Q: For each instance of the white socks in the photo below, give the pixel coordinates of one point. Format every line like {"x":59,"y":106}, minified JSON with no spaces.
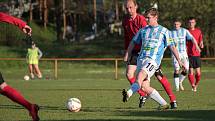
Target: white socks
{"x":181,"y":78}
{"x":156,"y":96}
{"x":176,"y":83}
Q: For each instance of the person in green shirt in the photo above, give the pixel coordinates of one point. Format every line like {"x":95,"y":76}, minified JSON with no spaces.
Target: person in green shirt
{"x":33,"y":56}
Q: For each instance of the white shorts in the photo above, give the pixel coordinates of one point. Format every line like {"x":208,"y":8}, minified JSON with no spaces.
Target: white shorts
{"x":184,"y":59}
{"x":148,"y":65}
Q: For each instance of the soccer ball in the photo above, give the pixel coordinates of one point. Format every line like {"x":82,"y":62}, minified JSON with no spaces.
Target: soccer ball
{"x":26,"y":77}
{"x":73,"y":105}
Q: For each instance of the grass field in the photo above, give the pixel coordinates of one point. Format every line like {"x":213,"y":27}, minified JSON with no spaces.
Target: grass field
{"x":100,"y":95}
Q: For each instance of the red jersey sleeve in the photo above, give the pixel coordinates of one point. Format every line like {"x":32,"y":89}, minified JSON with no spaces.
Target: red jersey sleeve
{"x":131,"y":27}
{"x":12,"y":20}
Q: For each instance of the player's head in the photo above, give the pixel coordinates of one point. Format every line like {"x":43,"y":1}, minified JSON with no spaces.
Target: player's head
{"x":131,"y":7}
{"x":33,"y":45}
{"x":152,"y":16}
{"x":192,"y":22}
{"x":177,"y":23}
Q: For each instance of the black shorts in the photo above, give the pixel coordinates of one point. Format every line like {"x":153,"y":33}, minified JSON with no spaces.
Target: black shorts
{"x":195,"y":62}
{"x":1,"y":79}
{"x":133,"y":59}
{"x":159,"y":72}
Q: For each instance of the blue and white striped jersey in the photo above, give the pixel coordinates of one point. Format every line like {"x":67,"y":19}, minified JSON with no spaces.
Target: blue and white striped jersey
{"x":154,"y":42}
{"x":179,"y":37}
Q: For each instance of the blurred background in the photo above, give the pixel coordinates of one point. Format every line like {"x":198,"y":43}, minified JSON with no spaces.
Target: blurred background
{"x":92,"y":28}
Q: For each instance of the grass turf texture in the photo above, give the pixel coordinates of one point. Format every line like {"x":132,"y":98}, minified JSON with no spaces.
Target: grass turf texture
{"x":101,"y":98}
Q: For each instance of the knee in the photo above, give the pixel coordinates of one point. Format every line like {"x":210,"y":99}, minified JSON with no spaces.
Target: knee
{"x":184,"y":72}
{"x":129,"y":75}
{"x":176,"y":75}
{"x":158,"y":73}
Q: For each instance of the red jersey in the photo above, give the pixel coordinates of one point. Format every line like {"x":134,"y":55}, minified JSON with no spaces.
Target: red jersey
{"x":131,"y":27}
{"x":12,"y":20}
{"x":191,"y":48}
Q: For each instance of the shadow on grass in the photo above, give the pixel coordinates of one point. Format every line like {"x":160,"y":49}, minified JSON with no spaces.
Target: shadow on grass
{"x":41,"y":107}
{"x":137,"y":115}
{"x":182,"y":115}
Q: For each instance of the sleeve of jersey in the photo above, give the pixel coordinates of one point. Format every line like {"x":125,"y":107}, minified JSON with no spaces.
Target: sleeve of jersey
{"x":168,"y":39}
{"x":137,"y":38}
{"x":12,"y":20}
{"x":189,"y":36}
{"x":143,"y":23}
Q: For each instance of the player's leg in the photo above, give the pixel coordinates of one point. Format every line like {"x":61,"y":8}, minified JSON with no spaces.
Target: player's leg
{"x":167,"y":86}
{"x":198,"y":72}
{"x":176,"y":73}
{"x":184,"y":72}
{"x":131,"y":67}
{"x":134,"y":87}
{"x":30,"y":67}
{"x":191,"y":72}
{"x":130,"y":74}
{"x":15,"y":96}
{"x":145,"y":65}
{"x":154,"y":94}
{"x":38,"y":72}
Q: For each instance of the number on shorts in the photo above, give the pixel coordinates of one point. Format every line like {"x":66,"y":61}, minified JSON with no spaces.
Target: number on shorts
{"x":150,"y":66}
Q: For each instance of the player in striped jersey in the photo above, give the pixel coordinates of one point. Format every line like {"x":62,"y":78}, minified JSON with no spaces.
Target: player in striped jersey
{"x":180,"y":35}
{"x":131,"y":23}
{"x":155,"y":39}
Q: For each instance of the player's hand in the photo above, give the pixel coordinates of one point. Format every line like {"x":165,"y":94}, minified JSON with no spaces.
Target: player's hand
{"x":201,"y":45}
{"x":27,"y":30}
{"x":198,"y":48}
{"x":182,"y":65}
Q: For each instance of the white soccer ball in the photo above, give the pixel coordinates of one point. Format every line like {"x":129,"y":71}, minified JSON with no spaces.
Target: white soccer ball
{"x":26,"y":77}
{"x":73,"y":105}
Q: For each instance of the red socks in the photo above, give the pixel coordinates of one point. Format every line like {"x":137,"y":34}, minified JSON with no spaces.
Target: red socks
{"x":132,"y":80}
{"x":198,"y":77}
{"x":140,"y":91}
{"x":191,"y":79}
{"x":168,"y":88}
{"x":15,"y":96}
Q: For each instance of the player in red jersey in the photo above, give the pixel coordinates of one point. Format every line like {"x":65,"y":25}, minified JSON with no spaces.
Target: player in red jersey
{"x":7,"y":90}
{"x":194,"y":54}
{"x":131,"y":24}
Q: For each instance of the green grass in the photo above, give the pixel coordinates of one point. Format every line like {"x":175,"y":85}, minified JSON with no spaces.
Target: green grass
{"x":100,"y":95}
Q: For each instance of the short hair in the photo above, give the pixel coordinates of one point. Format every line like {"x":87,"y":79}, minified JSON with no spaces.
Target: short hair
{"x":152,"y":11}
{"x":177,"y":20}
{"x":192,"y":18}
{"x":134,"y":1}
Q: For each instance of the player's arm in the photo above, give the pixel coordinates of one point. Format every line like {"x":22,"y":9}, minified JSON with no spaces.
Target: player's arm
{"x":15,"y":21}
{"x":201,"y":45}
{"x":136,"y":40}
{"x":176,"y":54}
{"x":40,"y":53}
{"x":128,"y":51}
{"x":196,"y":44}
{"x":189,"y":36}
{"x":170,"y":43}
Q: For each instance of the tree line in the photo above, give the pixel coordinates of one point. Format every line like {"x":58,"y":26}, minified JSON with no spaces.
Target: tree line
{"x":73,"y":18}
